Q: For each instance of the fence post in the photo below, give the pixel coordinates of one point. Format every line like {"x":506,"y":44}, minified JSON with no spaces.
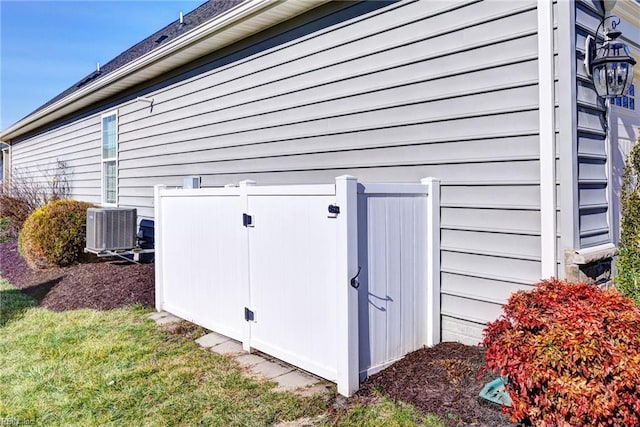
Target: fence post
{"x":347,"y":295}
{"x":246,"y":276}
{"x":159,"y":252}
{"x":433,"y":260}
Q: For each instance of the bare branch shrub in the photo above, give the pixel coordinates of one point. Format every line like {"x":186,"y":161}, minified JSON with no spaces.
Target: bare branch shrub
{"x":29,"y":190}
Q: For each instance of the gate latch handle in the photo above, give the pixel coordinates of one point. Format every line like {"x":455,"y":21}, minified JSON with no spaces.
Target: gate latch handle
{"x":354,"y":281}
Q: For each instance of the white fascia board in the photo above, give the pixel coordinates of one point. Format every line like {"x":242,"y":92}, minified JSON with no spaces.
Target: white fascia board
{"x":239,"y":22}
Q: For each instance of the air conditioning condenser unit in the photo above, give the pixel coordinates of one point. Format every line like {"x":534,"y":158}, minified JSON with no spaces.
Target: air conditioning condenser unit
{"x":111,"y":229}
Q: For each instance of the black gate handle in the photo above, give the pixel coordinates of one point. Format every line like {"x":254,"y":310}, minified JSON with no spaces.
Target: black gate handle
{"x":354,"y":282}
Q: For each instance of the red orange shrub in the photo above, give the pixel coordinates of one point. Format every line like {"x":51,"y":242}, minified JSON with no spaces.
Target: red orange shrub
{"x":571,"y":353}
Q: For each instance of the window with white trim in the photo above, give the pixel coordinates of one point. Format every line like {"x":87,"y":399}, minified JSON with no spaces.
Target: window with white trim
{"x":110,"y":158}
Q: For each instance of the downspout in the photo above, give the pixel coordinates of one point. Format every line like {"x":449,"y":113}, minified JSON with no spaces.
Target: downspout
{"x":6,"y":166}
{"x":546,"y":110}
{"x":567,"y":137}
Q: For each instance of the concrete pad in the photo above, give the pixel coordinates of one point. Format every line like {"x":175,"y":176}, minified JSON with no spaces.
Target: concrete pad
{"x":168,"y":320}
{"x":229,"y":347}
{"x":249,"y":360}
{"x":270,"y":370}
{"x":294,"y":380}
{"x":211,"y":339}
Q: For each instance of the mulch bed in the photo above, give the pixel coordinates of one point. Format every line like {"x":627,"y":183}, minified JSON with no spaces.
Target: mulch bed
{"x":441,"y":380}
{"x":97,"y":285}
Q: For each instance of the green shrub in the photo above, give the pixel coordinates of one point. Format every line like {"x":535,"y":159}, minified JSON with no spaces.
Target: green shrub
{"x":5,"y":230}
{"x":571,"y":353}
{"x":54,"y":234}
{"x":628,"y":260}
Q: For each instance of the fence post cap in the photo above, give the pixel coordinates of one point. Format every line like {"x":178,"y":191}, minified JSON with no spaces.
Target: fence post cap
{"x":429,"y":179}
{"x":346,"y":178}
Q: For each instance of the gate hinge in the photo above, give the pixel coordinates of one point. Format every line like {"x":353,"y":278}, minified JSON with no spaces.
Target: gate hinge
{"x":249,"y":315}
{"x":247,"y":220}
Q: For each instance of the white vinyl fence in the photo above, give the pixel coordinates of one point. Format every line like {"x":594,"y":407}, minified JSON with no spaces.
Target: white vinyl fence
{"x":338,"y":279}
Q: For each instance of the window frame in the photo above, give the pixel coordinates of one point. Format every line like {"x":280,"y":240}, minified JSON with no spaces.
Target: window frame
{"x":619,"y":101}
{"x":104,"y":160}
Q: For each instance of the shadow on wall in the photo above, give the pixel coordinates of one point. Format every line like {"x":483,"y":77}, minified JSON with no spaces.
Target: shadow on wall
{"x":625,"y":129}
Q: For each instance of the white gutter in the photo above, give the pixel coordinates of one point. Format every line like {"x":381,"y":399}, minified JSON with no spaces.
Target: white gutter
{"x":249,"y":17}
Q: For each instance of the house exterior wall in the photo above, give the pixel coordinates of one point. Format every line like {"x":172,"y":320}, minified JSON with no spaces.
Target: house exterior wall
{"x":445,"y":89}
{"x":591,"y":154}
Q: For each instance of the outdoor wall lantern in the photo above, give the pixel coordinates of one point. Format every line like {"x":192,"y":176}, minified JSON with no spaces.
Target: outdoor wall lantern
{"x":610,"y":65}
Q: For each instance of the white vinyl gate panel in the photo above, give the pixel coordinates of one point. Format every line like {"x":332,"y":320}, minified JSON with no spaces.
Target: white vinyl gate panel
{"x":292,"y":274}
{"x":392,"y":249}
{"x":206,"y":272}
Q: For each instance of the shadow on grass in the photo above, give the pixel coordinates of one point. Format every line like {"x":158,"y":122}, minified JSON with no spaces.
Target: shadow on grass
{"x":39,"y":292}
{"x":13,"y":304}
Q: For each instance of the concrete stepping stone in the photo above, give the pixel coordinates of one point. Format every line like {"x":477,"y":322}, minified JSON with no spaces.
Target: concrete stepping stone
{"x":249,"y":360}
{"x":157,"y":315}
{"x":270,"y":370}
{"x":295,"y":380}
{"x":287,"y":377}
{"x":211,"y":339}
{"x":164,"y":318}
{"x":167,"y":320}
{"x":229,"y":347}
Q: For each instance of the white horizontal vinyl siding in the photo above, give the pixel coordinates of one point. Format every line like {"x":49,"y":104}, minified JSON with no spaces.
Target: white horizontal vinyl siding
{"x":77,"y":144}
{"x":592,"y":154}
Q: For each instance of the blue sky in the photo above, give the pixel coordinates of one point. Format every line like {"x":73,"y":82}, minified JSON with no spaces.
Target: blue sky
{"x":46,"y":46}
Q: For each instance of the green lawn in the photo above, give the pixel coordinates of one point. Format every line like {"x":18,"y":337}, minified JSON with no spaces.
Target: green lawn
{"x":85,"y":367}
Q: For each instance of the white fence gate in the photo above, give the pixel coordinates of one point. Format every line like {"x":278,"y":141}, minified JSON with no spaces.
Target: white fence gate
{"x":275,"y":267}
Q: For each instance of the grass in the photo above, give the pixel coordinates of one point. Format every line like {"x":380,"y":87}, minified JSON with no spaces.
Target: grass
{"x":87,"y":367}
{"x":90,"y":368}
{"x":386,"y":413}
{"x":13,"y":303}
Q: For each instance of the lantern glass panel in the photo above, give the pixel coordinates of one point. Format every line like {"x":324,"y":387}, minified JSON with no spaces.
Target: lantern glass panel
{"x":611,"y":79}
